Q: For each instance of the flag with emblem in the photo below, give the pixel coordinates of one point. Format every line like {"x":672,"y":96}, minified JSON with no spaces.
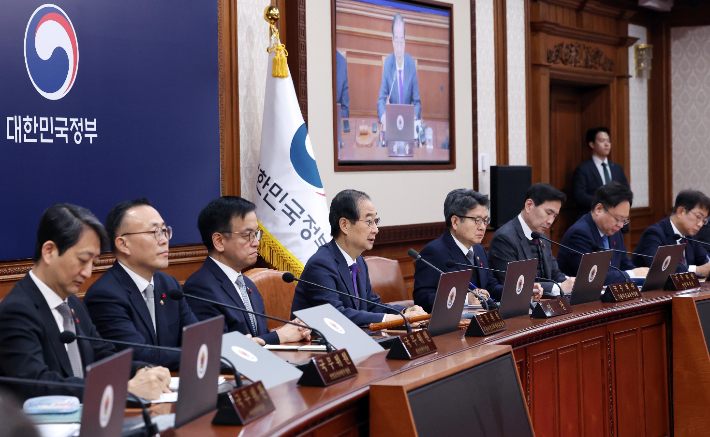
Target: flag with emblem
{"x":290,"y":199}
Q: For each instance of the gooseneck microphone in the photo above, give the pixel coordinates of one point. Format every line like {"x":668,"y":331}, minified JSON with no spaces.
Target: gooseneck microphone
{"x":414,"y":254}
{"x":450,"y":263}
{"x":68,"y":337}
{"x":178,"y":294}
{"x":489,"y":301}
{"x":288,"y":277}
{"x":596,"y":248}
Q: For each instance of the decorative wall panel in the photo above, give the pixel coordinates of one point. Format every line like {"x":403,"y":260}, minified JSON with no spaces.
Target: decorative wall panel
{"x":486,"y":83}
{"x":517,"y":115}
{"x":638,"y":124}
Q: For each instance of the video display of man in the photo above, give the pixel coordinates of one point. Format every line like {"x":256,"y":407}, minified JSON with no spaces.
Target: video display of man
{"x":392,"y":82}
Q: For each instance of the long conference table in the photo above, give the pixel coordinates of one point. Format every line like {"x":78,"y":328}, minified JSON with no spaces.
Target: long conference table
{"x":603,"y":370}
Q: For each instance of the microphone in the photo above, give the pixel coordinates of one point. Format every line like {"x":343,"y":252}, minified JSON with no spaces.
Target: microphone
{"x":678,"y":237}
{"x":451,"y":264}
{"x":414,"y":254}
{"x":288,"y":278}
{"x":394,"y":79}
{"x":544,"y":237}
{"x":596,"y":248}
{"x":150,"y":429}
{"x":178,"y":294}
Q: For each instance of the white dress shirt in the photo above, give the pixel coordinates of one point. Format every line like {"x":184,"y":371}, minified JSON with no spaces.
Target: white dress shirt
{"x":528,"y":234}
{"x":53,"y":300}
{"x":692,"y":268}
{"x":598,"y":164}
{"x":232,"y":274}
{"x":350,"y":261}
{"x":141,"y":283}
{"x":465,"y":252}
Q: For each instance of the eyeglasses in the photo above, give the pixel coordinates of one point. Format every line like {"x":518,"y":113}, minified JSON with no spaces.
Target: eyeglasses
{"x":477,"y":220}
{"x":700,"y":218}
{"x":158,"y":233}
{"x":251,"y":235}
{"x":375,"y":222}
{"x":621,"y":222}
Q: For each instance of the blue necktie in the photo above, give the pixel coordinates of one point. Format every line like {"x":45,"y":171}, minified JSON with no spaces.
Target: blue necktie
{"x":605,"y":241}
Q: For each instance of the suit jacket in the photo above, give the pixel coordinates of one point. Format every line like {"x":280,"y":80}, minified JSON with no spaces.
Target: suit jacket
{"x":30,"y":346}
{"x":582,"y":236}
{"x":509,"y":243}
{"x":586,"y":180}
{"x":328,"y":268}
{"x":437,"y":252}
{"x":117,"y":308}
{"x":410,"y":86}
{"x":661,"y":234}
{"x":341,"y":85}
{"x":210,"y":282}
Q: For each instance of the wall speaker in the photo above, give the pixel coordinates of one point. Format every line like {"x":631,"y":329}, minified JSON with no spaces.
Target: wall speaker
{"x":509,"y":183}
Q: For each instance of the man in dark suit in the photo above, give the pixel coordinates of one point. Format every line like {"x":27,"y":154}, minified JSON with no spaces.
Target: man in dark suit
{"x":342,"y":93}
{"x":602,"y":227}
{"x":43,"y":304}
{"x":514,"y":242}
{"x":339,"y":265}
{"x":466,"y":217}
{"x":595,"y":172}
{"x":230,"y":231}
{"x":129,"y":302}
{"x":399,"y":76}
{"x":690,"y":213}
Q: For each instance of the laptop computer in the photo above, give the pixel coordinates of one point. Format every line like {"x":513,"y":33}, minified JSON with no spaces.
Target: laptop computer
{"x":339,"y":330}
{"x":105,"y":395}
{"x":199,"y":369}
{"x":664,"y":264}
{"x":590,"y":277}
{"x":448,"y":303}
{"x":400,"y":130}
{"x":255,"y":362}
{"x":518,"y":288}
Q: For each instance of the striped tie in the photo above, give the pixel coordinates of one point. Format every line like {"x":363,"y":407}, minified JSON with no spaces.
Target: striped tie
{"x":247,"y":302}
{"x":73,"y":347}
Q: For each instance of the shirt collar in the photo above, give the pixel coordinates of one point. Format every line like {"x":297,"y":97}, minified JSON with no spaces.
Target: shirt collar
{"x":348,"y":259}
{"x":461,"y":246}
{"x":232,"y":274}
{"x":52,"y":298}
{"x":598,"y":161}
{"x":676,"y":231}
{"x":526,"y":229}
{"x":141,"y":283}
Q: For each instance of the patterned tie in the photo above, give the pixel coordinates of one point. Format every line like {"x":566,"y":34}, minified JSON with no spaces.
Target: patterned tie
{"x":607,"y":176}
{"x":73,"y":347}
{"x":149,"y":297}
{"x":682,"y":255}
{"x":353,"y":271}
{"x":469,"y":255}
{"x":242,"y":288}
{"x":401,"y":100}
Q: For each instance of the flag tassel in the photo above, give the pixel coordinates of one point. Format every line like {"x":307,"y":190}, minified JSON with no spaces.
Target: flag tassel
{"x":277,"y":255}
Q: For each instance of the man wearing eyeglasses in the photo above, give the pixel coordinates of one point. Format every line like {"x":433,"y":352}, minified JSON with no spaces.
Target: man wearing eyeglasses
{"x":130,"y":302}
{"x":466,"y":217}
{"x":339,"y":265}
{"x":690,"y":214}
{"x":230,"y":230}
{"x":602,"y":227}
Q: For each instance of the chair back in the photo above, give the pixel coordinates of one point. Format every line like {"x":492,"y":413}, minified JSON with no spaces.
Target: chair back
{"x":386,"y":279}
{"x":277,"y":294}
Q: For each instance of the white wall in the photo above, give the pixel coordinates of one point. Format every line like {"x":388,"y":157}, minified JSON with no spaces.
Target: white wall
{"x":690,"y":111}
{"x":401,"y":197}
{"x":517,"y":111}
{"x":638,"y":123}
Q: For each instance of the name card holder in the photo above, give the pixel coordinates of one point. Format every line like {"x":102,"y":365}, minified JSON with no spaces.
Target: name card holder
{"x":486,"y":323}
{"x":682,"y":282}
{"x":324,"y":370}
{"x":551,"y":308}
{"x":621,"y":292}
{"x":243,"y":405}
{"x":412,"y":345}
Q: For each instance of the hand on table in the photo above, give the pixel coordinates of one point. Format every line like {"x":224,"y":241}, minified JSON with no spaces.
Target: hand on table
{"x":150,"y":383}
{"x":257,"y":340}
{"x":290,"y":333}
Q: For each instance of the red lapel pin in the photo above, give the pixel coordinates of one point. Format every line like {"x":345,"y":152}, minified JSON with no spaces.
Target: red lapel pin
{"x":77,"y":320}
{"x":249,"y":289}
{"x":163,"y":296}
{"x":614,"y":243}
{"x":358,"y":270}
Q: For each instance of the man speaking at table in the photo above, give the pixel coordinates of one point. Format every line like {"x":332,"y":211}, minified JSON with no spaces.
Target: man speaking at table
{"x":399,"y":76}
{"x":339,"y":264}
{"x":43,"y":304}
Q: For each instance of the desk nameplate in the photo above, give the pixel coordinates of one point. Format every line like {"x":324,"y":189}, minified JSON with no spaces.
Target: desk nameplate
{"x":621,"y":292}
{"x":486,"y":323}
{"x":324,"y":370}
{"x":551,"y":308}
{"x":682,"y":282}
{"x":412,"y":345}
{"x":243,"y":405}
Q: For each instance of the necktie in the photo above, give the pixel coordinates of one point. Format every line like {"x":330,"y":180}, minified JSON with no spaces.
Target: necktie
{"x":242,"y":288}
{"x":401,"y":100}
{"x":73,"y":347}
{"x":605,"y":241}
{"x":607,"y":176}
{"x":474,"y":273}
{"x":353,"y":271}
{"x":149,"y":298}
{"x":469,"y":255}
{"x":682,"y":255}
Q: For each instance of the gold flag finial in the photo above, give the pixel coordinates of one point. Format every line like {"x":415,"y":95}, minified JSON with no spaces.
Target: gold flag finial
{"x":280,"y":67}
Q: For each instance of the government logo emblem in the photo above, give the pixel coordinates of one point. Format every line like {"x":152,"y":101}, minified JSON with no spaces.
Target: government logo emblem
{"x":452,"y":297}
{"x":519,"y":285}
{"x":243,"y":353}
{"x":334,"y":326}
{"x":202,"y":361}
{"x":665,"y":263}
{"x":592,"y":273}
{"x":106,"y":406}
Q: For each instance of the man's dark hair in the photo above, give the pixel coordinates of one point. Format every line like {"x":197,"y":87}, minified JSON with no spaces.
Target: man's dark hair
{"x":460,"y":202}
{"x":542,"y":192}
{"x":63,"y":224}
{"x":592,"y":133}
{"x":115,"y":217}
{"x":612,"y":194}
{"x":345,"y":204}
{"x":398,"y":19}
{"x":218,"y":214}
{"x":689,"y":199}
